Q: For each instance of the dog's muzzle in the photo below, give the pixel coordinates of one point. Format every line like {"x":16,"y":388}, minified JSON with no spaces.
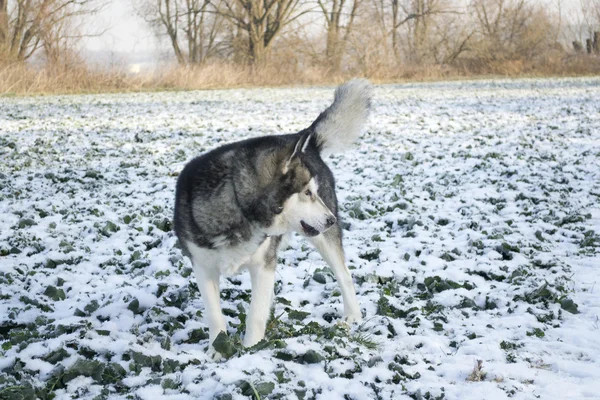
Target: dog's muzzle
{"x":330,"y":222}
{"x":309,"y":230}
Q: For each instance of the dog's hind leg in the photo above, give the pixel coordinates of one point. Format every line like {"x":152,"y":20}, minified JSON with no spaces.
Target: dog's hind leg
{"x":207,"y":276}
{"x":329,"y":245}
{"x":262,"y":275}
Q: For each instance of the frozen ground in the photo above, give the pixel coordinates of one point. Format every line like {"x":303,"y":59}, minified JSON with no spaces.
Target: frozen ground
{"x":472,"y":225}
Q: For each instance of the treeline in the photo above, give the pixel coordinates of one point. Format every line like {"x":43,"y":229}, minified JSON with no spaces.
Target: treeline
{"x":372,"y":35}
{"x":248,"y":42}
{"x":52,"y":28}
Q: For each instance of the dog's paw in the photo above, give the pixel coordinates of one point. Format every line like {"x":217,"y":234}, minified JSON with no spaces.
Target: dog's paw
{"x":249,"y":341}
{"x":353,"y":318}
{"x":214,"y":355}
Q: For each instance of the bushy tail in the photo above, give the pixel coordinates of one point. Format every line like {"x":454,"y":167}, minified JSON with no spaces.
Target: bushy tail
{"x":339,"y":126}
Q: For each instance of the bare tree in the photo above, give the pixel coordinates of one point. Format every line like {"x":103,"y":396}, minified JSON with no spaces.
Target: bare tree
{"x":592,"y":8}
{"x":509,"y":29}
{"x":261,"y":21}
{"x":339,"y":18}
{"x":584,"y":20}
{"x":421,"y":21}
{"x":410,"y":24}
{"x":192,"y":27}
{"x":4,"y":38}
{"x":575,"y":27}
{"x":27,"y":26}
{"x":451,"y":37}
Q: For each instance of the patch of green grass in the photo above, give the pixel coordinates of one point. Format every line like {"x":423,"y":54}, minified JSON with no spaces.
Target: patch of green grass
{"x":537,"y":332}
{"x":54,"y":293}
{"x":370,"y":255}
{"x":506,"y":345}
{"x":297,"y":315}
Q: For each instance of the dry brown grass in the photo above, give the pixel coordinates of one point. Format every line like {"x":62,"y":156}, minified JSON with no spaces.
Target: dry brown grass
{"x":20,"y":79}
{"x":477,"y":375}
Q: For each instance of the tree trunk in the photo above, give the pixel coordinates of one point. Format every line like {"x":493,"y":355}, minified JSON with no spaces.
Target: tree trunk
{"x":3,"y":29}
{"x":577,"y":46}
{"x":239,"y":46}
{"x":338,"y":33}
{"x":256,"y":33}
{"x":262,"y":20}
{"x":333,"y":48}
{"x":257,"y":49}
{"x":588,"y":45}
{"x":421,"y":30}
{"x":395,"y":22}
{"x":333,"y":34}
{"x":177,"y":49}
{"x":596,"y":42}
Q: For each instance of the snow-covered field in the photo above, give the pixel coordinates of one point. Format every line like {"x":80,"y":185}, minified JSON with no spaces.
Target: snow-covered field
{"x":472,"y":225}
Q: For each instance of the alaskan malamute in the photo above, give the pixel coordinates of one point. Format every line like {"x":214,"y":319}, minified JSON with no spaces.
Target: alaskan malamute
{"x":234,"y":204}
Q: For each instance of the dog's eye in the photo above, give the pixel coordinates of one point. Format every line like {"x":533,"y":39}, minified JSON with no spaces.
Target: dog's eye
{"x":308,"y":192}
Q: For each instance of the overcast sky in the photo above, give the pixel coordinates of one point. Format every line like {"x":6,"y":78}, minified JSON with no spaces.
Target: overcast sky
{"x":126,"y":37}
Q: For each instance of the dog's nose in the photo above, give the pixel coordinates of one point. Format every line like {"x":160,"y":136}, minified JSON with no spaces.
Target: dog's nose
{"x":330,"y":221}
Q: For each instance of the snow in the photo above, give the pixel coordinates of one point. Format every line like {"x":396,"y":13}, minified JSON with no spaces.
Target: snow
{"x":492,"y":186}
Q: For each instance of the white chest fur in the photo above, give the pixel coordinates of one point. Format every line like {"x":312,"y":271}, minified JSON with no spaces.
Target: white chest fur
{"x":230,"y":260}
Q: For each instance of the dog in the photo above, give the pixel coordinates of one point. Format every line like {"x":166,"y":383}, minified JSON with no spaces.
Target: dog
{"x":235,"y":204}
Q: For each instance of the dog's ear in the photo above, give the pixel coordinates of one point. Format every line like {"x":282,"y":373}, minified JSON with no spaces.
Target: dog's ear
{"x":299,"y":147}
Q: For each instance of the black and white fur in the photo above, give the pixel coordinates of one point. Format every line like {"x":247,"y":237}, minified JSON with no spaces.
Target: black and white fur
{"x":234,"y":204}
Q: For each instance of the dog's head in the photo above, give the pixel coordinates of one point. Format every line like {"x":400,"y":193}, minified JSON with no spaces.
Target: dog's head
{"x":303,"y":210}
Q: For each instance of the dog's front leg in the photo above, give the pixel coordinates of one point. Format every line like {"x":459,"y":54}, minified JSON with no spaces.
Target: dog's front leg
{"x":208,"y":283}
{"x":329,"y":245}
{"x":263,"y":280}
